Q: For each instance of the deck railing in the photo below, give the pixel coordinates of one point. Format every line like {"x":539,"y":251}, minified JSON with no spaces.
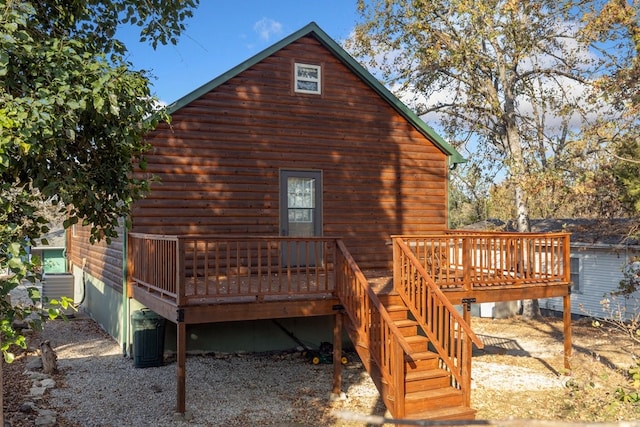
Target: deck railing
{"x":375,"y":329}
{"x":449,"y":334}
{"x":472,"y":260}
{"x":151,"y":263}
{"x":195,"y":269}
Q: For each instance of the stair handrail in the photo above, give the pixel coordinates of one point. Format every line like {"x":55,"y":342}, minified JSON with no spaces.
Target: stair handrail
{"x":457,"y":369}
{"x":396,"y":350}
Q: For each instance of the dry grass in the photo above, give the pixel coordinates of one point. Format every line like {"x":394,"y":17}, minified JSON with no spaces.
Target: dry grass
{"x":599,"y":366}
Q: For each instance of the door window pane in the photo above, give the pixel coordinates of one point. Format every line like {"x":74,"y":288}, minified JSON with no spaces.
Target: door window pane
{"x":301,"y":199}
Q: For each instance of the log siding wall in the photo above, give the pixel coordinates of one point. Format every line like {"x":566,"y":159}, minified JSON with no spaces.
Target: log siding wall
{"x":219,"y":160}
{"x":104,"y":262}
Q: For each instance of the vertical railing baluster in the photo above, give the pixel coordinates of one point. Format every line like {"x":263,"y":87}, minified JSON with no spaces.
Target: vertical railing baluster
{"x":206,"y":267}
{"x":259,"y":266}
{"x":248,"y":265}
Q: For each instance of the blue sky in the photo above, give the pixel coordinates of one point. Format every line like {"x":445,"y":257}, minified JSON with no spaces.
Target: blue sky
{"x":223,"y":34}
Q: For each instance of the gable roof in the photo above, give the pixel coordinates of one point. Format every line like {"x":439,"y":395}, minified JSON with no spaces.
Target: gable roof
{"x":313,"y":29}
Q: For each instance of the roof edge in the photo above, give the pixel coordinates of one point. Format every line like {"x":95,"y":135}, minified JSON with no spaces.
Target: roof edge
{"x":612,"y":246}
{"x":207,"y":87}
{"x":312,"y":28}
{"x":374,"y":83}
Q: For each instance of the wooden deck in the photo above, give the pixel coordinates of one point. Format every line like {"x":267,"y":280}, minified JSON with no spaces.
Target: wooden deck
{"x":491,"y":267}
{"x":180,"y":277}
{"x":399,"y":320}
{"x":183,"y":278}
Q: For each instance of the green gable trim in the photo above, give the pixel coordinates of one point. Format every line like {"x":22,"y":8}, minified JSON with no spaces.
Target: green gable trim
{"x":347,"y":60}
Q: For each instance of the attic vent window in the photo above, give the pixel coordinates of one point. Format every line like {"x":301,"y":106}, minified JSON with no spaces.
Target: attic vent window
{"x":307,"y":78}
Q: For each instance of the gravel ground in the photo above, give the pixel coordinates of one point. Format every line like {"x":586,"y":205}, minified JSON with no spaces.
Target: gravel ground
{"x":518,"y":375}
{"x":103,"y":388}
{"x":100,"y":387}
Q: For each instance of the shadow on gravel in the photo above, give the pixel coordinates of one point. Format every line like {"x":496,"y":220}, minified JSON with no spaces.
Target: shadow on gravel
{"x":509,"y":347}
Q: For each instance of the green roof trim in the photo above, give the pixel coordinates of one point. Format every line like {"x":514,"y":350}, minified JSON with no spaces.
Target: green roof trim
{"x":349,"y":61}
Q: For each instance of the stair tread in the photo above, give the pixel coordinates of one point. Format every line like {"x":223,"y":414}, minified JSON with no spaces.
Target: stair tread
{"x":451,"y":413}
{"x":433,"y":394}
{"x":405,"y":322}
{"x":416,"y":338}
{"x":396,"y":307}
{"x":421,"y":355}
{"x":429,"y":374}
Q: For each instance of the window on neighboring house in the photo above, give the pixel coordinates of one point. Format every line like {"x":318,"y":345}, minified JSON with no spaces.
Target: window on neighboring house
{"x":308,"y":78}
{"x":575,"y":274}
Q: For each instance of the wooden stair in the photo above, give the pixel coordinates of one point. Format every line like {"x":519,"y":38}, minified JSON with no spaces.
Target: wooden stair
{"x":429,"y":393}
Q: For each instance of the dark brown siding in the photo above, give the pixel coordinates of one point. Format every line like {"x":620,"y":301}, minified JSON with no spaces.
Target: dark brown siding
{"x":102,"y":261}
{"x":219,"y":162}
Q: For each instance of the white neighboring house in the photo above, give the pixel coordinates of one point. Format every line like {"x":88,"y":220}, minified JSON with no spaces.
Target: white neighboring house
{"x":599,"y":251}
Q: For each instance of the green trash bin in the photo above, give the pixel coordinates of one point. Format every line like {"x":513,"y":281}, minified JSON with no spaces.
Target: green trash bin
{"x":148,"y":338}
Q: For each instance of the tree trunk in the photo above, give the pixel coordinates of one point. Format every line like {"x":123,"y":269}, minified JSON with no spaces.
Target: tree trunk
{"x":49,"y":358}
{"x":530,"y":308}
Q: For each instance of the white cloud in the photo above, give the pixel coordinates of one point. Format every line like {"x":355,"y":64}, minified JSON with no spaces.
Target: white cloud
{"x":267,"y":27}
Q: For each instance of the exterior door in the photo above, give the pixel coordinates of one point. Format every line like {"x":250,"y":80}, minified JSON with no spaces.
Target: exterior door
{"x":300,"y":213}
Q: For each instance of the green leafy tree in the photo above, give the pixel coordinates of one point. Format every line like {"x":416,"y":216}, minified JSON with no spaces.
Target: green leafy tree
{"x":627,"y":173}
{"x":468,"y":195}
{"x":498,"y":70}
{"x":73,"y":115}
{"x":514,"y":77}
{"x":617,"y":24}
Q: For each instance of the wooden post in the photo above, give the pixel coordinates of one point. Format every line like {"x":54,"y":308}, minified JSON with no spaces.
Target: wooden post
{"x":399,"y":375}
{"x":566,"y":314}
{"x":466,"y":313}
{"x":467,"y":353}
{"x":180,"y":272}
{"x":397,"y":272}
{"x":337,"y":354}
{"x":181,"y":346}
{"x":466,"y":262}
{"x":567,"y":330}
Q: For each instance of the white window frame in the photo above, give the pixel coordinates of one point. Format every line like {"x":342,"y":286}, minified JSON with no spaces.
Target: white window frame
{"x":299,"y":77}
{"x":576,"y":274}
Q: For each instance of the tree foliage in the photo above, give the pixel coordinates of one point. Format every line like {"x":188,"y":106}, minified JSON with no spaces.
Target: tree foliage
{"x":617,"y":25}
{"x":547,"y":90}
{"x":512,"y":82}
{"x":511,"y":74}
{"x":73,"y":115}
{"x":468,"y":196}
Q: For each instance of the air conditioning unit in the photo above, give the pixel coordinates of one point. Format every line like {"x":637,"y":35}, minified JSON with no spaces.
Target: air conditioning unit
{"x":55,"y":286}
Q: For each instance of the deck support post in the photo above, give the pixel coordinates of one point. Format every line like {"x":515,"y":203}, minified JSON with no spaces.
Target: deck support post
{"x":566,"y":314}
{"x":181,"y":346}
{"x":337,"y":354}
{"x":466,"y":353}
